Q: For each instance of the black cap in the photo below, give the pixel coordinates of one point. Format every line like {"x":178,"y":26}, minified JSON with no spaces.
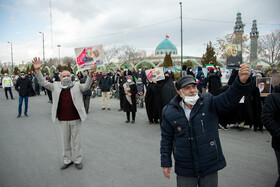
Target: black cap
{"x":183,"y":81}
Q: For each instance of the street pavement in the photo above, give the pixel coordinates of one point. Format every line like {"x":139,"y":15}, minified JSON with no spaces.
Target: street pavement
{"x":115,"y":154}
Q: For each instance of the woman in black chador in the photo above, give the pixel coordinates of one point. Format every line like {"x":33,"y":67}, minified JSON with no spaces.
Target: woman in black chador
{"x":150,"y":103}
{"x":130,"y":91}
{"x":164,"y":92}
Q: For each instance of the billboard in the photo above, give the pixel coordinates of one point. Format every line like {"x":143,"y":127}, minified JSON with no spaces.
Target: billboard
{"x":88,"y":56}
{"x":234,"y":56}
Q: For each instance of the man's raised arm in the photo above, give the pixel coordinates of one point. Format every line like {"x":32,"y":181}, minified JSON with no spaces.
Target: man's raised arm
{"x":37,"y":65}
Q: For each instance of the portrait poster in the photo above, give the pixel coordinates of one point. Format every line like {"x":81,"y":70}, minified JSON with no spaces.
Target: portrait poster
{"x":234,"y":56}
{"x":156,"y":73}
{"x":226,"y":73}
{"x":88,"y":56}
{"x":264,"y":85}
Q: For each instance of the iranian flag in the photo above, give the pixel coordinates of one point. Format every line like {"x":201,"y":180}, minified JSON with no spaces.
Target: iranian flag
{"x":210,"y":66}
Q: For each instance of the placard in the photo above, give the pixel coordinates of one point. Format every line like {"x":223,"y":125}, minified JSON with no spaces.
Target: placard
{"x":88,"y":56}
{"x":156,"y":73}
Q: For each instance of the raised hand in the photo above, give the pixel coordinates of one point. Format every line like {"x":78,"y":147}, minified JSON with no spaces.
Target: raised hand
{"x":92,"y":70}
{"x":244,"y":73}
{"x":37,"y":64}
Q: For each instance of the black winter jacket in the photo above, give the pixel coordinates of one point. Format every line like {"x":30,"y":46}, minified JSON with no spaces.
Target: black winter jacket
{"x":105,"y":83}
{"x":195,"y":143}
{"x":271,"y":116}
{"x":23,"y":86}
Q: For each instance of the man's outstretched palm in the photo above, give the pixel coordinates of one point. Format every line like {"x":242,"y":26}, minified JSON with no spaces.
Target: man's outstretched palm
{"x":36,"y":63}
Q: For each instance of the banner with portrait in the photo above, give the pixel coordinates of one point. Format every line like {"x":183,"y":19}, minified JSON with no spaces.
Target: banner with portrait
{"x":234,"y":55}
{"x":88,"y":56}
{"x":264,"y":85}
{"x":156,"y":73}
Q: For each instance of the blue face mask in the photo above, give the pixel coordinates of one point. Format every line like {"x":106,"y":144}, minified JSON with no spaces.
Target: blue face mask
{"x":274,"y":68}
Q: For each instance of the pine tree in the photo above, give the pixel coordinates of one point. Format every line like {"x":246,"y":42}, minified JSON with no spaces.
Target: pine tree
{"x":167,"y":61}
{"x":209,"y":56}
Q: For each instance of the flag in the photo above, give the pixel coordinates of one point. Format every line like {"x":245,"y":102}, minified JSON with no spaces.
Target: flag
{"x":136,"y":80}
{"x":167,"y":36}
{"x":210,"y":66}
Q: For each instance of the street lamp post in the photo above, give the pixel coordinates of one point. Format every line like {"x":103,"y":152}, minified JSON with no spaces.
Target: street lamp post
{"x":12,"y":57}
{"x":58,"y":46}
{"x":43,"y":46}
{"x":181,"y":35}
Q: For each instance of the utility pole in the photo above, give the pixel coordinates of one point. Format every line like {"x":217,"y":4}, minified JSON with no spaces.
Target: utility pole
{"x":12,"y":57}
{"x":181,"y":35}
{"x":59,"y":52}
{"x":43,"y":46}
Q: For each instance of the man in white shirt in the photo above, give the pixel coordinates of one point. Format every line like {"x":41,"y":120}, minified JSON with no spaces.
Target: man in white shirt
{"x":7,"y":84}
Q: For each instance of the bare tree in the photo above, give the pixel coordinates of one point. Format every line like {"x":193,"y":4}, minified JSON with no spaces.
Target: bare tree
{"x":111,"y":53}
{"x":220,"y":46}
{"x":130,"y":54}
{"x":69,"y":60}
{"x":270,"y":47}
{"x":52,"y":62}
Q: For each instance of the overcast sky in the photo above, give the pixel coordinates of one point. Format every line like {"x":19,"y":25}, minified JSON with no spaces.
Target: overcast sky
{"x":142,"y":24}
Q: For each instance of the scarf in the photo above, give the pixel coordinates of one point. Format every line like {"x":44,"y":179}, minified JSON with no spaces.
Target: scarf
{"x":126,"y":87}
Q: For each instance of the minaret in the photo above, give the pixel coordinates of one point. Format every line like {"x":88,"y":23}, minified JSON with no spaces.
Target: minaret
{"x":254,"y":35}
{"x":238,"y":30}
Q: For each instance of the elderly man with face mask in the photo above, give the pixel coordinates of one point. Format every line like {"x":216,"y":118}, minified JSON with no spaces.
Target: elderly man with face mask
{"x":68,"y":107}
{"x":189,"y":129}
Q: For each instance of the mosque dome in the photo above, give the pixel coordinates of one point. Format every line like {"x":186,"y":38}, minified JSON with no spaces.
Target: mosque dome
{"x":166,"y":47}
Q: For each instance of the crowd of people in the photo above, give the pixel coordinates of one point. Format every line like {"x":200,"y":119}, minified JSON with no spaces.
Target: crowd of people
{"x":193,"y":107}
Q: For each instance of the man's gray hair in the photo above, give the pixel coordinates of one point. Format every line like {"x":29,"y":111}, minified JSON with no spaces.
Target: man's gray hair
{"x":66,"y":71}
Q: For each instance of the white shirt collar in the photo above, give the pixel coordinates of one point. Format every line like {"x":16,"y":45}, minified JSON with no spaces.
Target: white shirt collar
{"x":186,"y":109}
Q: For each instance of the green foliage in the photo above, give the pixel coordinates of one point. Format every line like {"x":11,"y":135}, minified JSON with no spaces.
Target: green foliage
{"x":209,"y":56}
{"x":167,"y":61}
{"x":177,"y":75}
{"x":145,"y":65}
{"x":28,"y":69}
{"x":189,"y":63}
{"x":16,"y":71}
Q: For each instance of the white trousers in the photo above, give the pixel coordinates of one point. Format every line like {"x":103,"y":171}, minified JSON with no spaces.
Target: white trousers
{"x":71,"y":132}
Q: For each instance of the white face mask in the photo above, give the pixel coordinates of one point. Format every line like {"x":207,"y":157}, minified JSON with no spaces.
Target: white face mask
{"x":66,"y":81}
{"x":169,"y":71}
{"x":191,"y":100}
{"x":129,"y":80}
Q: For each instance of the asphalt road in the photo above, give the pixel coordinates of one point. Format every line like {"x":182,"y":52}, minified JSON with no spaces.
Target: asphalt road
{"x":115,"y":154}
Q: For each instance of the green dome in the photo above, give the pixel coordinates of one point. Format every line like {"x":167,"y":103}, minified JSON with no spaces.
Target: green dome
{"x":166,"y":46}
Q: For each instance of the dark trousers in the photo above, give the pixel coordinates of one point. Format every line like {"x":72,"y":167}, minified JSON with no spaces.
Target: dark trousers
{"x":20,"y":104}
{"x":128,"y":116}
{"x":6,"y":92}
{"x":86,"y":99}
{"x":277,"y":153}
{"x":206,"y":181}
{"x":49,"y":95}
{"x":37,"y":89}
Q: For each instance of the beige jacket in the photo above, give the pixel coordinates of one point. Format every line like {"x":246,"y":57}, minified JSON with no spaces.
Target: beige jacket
{"x":275,"y":76}
{"x":76,"y":94}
